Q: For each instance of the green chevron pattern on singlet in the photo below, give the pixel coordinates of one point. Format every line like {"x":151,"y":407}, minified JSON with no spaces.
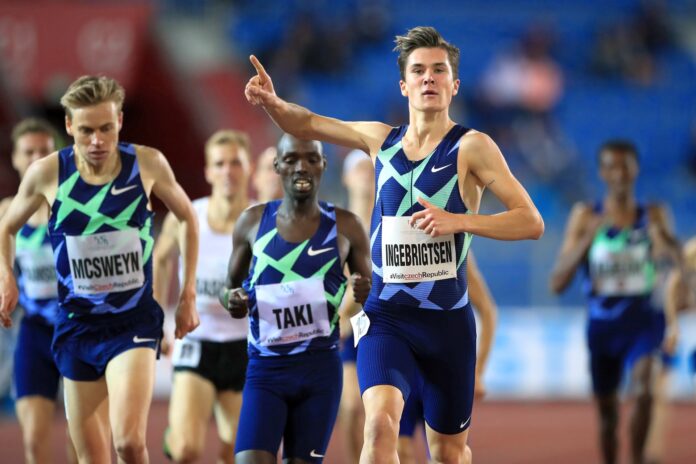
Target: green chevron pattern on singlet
{"x":34,"y":241}
{"x":614,"y":244}
{"x":97,"y":219}
{"x":285,"y":265}
{"x":408,"y":181}
{"x":619,"y":243}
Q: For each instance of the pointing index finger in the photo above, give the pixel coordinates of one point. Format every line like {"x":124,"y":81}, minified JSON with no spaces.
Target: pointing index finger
{"x":260,"y":70}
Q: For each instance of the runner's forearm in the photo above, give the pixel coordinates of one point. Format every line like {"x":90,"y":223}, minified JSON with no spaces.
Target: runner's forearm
{"x":189,"y":250}
{"x":7,"y":250}
{"x":515,"y":224}
{"x":568,"y":263}
{"x":291,"y":118}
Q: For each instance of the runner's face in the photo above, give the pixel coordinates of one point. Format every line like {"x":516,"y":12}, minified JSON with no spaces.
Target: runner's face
{"x":95,"y":130}
{"x":300,"y":166}
{"x":618,"y":169}
{"x":30,"y":147}
{"x":227,"y":169}
{"x":429,"y":84}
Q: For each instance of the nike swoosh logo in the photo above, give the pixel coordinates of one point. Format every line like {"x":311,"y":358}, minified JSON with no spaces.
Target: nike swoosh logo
{"x":311,"y":252}
{"x":434,"y":169}
{"x":137,"y":339}
{"x":463,"y":424}
{"x":117,"y":191}
{"x":314,"y":454}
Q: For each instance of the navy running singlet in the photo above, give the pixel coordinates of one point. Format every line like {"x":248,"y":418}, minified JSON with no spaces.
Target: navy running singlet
{"x":295,"y":289}
{"x":619,"y":273}
{"x":38,"y":292}
{"x":408,"y":267}
{"x":102,"y":239}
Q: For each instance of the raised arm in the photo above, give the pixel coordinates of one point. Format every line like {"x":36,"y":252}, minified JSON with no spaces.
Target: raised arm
{"x":302,"y":123}
{"x":30,"y":196}
{"x":580,"y":231}
{"x":484,"y":304}
{"x":479,"y":158}
{"x":164,"y":185}
{"x":232,"y":296}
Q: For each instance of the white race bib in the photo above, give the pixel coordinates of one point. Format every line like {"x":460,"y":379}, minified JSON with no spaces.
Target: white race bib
{"x":38,"y":272}
{"x":210,"y":279}
{"x":292,"y":312}
{"x":186,"y":353}
{"x":360,"y":323}
{"x":106,"y":262}
{"x":621,"y":273}
{"x":411,"y":255}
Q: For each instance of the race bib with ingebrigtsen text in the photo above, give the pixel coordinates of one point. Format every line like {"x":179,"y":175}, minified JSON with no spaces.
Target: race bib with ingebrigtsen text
{"x":411,"y":255}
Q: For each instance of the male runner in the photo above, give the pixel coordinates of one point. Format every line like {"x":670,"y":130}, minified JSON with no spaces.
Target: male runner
{"x":430,"y":176}
{"x":210,"y":362}
{"x":108,"y":325}
{"x":286,"y":271}
{"x":36,"y":378}
{"x":615,"y":241}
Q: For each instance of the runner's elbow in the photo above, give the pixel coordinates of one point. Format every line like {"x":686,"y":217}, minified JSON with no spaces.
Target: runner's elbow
{"x":6,"y":230}
{"x":536,"y":226}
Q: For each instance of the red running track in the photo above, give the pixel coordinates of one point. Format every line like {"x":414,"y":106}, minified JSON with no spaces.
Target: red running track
{"x":502,"y":433}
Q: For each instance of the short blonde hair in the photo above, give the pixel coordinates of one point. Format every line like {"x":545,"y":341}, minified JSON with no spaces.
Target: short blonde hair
{"x":92,"y":90}
{"x":229,"y":137}
{"x":32,"y":126}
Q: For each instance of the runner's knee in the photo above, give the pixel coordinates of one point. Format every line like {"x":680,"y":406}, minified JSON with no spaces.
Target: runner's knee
{"x":449,"y":453}
{"x":380,"y":426}
{"x":33,"y":446}
{"x":187,"y":452}
{"x":130,"y":449}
